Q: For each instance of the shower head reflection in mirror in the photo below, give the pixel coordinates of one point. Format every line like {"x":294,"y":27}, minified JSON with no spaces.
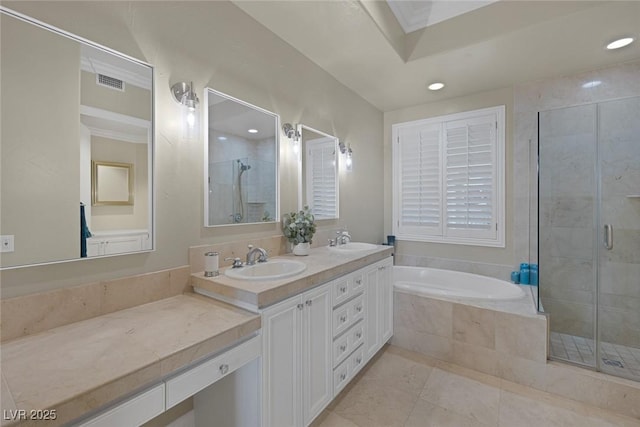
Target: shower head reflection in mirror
{"x":241,"y":162}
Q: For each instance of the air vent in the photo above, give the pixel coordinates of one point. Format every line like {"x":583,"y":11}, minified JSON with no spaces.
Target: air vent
{"x":110,"y":82}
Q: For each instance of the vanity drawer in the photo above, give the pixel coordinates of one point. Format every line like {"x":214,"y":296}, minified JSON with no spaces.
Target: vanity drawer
{"x":357,"y":361}
{"x":135,"y":411}
{"x":356,"y":335}
{"x":347,"y":315}
{"x":341,"y":377}
{"x":201,"y":376}
{"x":340,"y":291}
{"x":341,"y":349}
{"x":348,"y":341}
{"x":347,"y":370}
{"x":341,"y":319}
{"x":356,"y":309}
{"x":356,"y":284}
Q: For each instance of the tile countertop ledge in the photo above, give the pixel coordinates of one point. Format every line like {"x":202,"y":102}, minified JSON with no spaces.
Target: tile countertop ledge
{"x":322,"y":263}
{"x":78,"y":368}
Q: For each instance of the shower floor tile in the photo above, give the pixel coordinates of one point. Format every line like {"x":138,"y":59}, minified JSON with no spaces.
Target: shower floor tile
{"x":618,"y":359}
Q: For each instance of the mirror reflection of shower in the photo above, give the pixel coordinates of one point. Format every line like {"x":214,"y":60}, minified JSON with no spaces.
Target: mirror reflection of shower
{"x":238,"y":200}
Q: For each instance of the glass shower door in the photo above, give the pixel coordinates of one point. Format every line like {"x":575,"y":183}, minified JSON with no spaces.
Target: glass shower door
{"x":619,"y":230}
{"x":567,"y":230}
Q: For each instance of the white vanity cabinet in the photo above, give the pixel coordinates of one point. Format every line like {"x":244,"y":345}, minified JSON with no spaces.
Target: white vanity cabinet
{"x":110,"y":243}
{"x":378,"y":297}
{"x":297,"y":359}
{"x":313,"y":344}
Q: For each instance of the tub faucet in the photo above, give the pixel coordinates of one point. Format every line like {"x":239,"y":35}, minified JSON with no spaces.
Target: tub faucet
{"x":251,"y":255}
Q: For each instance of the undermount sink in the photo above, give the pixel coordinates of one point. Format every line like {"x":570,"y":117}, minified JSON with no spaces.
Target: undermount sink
{"x":270,"y":270}
{"x":353,"y":247}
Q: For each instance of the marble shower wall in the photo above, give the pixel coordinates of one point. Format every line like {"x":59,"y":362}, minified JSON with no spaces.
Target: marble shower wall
{"x":568,"y":143}
{"x":619,"y":288}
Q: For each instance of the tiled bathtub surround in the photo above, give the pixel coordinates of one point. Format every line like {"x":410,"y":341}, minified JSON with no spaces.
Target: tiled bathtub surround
{"x":503,"y":344}
{"x":29,"y":314}
{"x":486,"y":339}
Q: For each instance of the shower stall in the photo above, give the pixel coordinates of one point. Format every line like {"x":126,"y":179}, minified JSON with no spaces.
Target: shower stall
{"x":240,"y":191}
{"x":589,"y":234}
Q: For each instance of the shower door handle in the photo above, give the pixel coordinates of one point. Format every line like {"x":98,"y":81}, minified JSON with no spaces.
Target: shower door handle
{"x":608,"y":236}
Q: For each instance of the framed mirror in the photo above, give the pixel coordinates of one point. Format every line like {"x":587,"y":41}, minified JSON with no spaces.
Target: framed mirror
{"x":318,"y":183}
{"x":241,"y":162}
{"x":70,"y":109}
{"x":111,"y":183}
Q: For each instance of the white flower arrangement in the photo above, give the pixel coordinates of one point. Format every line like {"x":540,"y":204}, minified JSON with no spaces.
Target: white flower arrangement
{"x":299,"y":227}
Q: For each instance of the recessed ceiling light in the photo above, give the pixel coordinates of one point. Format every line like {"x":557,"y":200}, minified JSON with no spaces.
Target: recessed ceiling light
{"x":617,"y":44}
{"x":253,"y":131}
{"x":592,"y":83}
{"x":436,"y":86}
{"x":222,"y":138}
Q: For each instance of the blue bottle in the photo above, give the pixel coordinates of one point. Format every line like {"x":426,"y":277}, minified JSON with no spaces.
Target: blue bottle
{"x":515,"y":277}
{"x":533,"y":274}
{"x":524,"y":273}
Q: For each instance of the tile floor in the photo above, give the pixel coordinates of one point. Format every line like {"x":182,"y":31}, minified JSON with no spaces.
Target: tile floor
{"x":402,"y":388}
{"x":619,"y":359}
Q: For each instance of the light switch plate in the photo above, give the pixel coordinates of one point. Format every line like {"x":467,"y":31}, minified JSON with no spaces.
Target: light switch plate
{"x":6,"y":243}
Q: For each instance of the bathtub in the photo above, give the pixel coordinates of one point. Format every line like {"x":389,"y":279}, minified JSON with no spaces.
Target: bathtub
{"x":477,"y":322}
{"x":453,"y":284}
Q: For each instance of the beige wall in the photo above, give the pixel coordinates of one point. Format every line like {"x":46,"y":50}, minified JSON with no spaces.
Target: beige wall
{"x":135,"y":216}
{"x":34,"y":134}
{"x":225,"y":49}
{"x":491,"y":261}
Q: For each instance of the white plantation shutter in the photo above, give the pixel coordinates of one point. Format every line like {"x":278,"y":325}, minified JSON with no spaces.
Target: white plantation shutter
{"x":321,"y":178}
{"x":420,"y":181}
{"x":470,"y":174}
{"x":448,"y":178}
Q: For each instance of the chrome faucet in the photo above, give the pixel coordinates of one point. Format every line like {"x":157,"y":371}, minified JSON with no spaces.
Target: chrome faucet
{"x":343,"y":237}
{"x":251,"y":255}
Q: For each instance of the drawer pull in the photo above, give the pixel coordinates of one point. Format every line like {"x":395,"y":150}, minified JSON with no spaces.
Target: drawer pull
{"x":381,"y":268}
{"x":343,"y":319}
{"x":343,"y":376}
{"x":343,"y":289}
{"x":343,"y":347}
{"x":358,"y":360}
{"x":359,"y":309}
{"x":309,"y":302}
{"x":224,"y":368}
{"x":300,"y":306}
{"x":359,"y":281}
{"x":358,"y":335}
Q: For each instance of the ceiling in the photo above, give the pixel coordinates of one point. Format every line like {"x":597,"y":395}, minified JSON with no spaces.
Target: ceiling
{"x":500,"y":44}
{"x":415,"y":15}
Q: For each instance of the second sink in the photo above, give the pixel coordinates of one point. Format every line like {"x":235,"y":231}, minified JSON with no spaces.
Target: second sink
{"x":270,"y":270}
{"x":354,"y":247}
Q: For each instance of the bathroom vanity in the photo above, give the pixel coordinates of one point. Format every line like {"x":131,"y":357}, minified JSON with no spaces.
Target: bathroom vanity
{"x":319,"y":327}
{"x":126,"y":367}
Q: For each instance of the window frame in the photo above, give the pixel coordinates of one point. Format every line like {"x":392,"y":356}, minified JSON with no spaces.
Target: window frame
{"x":420,"y":233}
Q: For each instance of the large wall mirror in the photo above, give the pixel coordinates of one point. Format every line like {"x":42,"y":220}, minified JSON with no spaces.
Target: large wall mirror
{"x":241,"y":154}
{"x":68,"y":104}
{"x":318,"y":183}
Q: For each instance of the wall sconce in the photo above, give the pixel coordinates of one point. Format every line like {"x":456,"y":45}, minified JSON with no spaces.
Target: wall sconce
{"x":293,"y":134}
{"x":184,"y":94}
{"x":346,"y":150}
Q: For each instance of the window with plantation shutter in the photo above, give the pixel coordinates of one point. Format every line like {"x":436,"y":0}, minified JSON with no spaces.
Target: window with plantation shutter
{"x":321,"y":177}
{"x":448,"y":178}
